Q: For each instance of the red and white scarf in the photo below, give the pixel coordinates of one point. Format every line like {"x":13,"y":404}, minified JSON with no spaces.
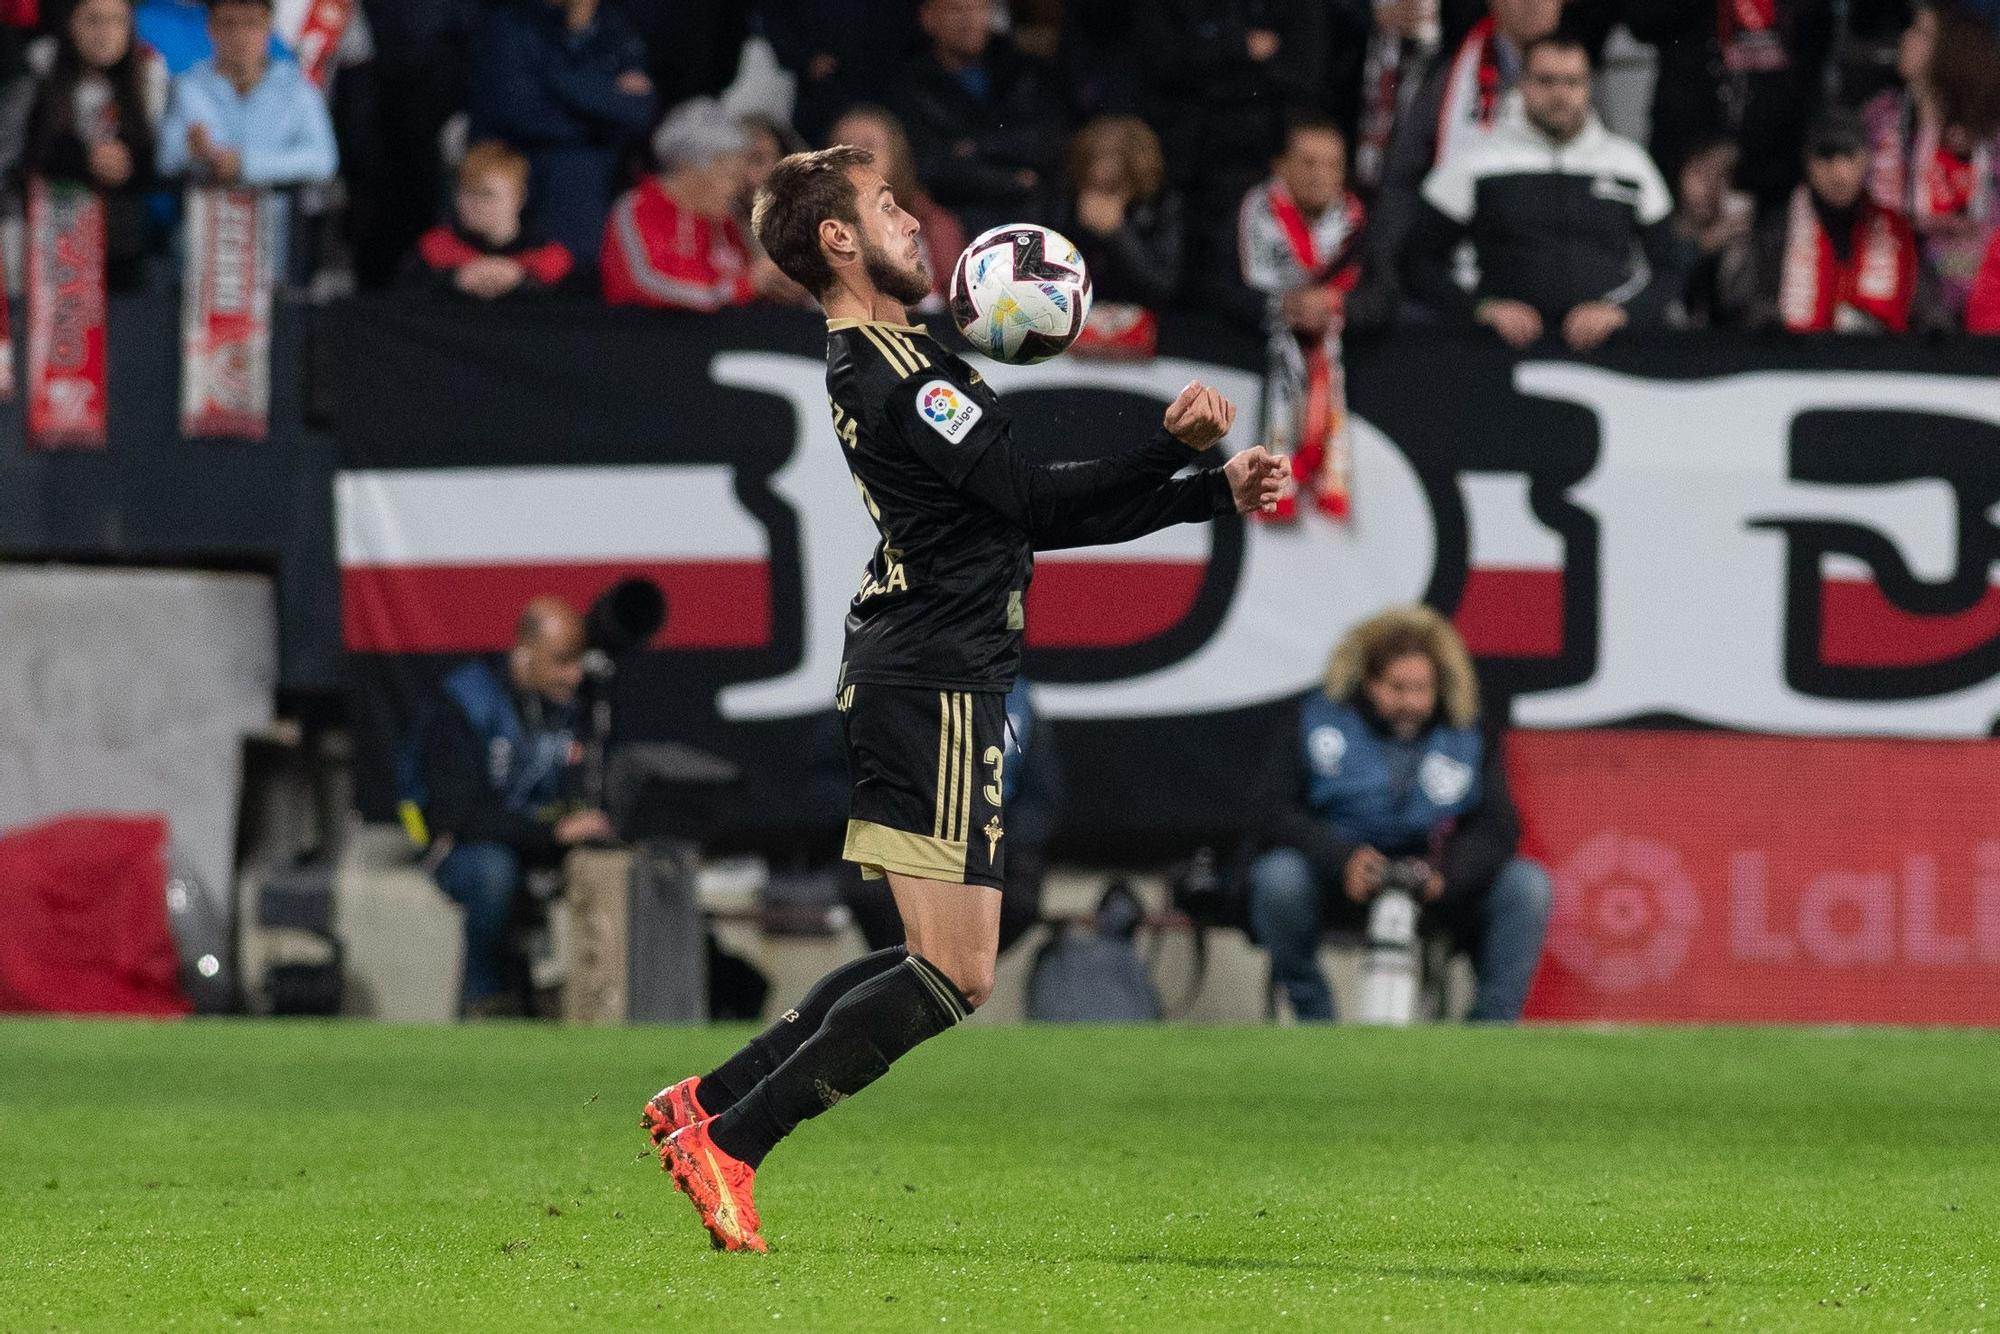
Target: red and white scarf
{"x":226,"y":313}
{"x":1817,"y":293}
{"x":317,"y":39}
{"x":1472,"y":89}
{"x":66,"y":316}
{"x":1926,"y":179}
{"x":1316,"y":434}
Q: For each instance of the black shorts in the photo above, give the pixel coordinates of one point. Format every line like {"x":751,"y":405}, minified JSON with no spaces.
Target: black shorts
{"x":926,"y":767}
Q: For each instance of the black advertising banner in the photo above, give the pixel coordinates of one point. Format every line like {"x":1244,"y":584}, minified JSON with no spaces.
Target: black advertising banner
{"x":1790,"y":536}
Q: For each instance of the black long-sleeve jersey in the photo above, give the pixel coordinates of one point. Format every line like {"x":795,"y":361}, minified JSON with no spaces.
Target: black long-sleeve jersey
{"x":961,"y":512}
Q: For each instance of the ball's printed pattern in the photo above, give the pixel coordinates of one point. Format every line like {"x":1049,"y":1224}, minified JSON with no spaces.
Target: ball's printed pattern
{"x":1020,"y":293}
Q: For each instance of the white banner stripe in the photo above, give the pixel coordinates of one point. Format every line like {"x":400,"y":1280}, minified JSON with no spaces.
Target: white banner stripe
{"x":475,"y":516}
{"x":1505,"y":533}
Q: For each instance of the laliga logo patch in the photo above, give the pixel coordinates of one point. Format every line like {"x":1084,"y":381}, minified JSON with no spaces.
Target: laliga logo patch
{"x":950,"y":413}
{"x":1444,"y":780}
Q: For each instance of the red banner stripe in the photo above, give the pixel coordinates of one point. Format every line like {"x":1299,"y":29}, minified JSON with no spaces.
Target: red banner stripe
{"x":471,"y":608}
{"x":1109,"y":604}
{"x":1512,"y":613}
{"x":1859,"y":627}
{"x":724,"y":604}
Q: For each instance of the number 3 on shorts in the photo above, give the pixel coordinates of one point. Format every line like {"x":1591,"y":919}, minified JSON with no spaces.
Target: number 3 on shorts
{"x":998,"y":759}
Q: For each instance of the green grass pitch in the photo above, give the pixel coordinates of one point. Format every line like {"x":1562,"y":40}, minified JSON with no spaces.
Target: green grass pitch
{"x":349,"y":1177}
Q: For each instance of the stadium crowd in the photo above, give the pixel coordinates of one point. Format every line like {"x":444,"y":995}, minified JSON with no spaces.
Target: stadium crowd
{"x":1303,"y":166}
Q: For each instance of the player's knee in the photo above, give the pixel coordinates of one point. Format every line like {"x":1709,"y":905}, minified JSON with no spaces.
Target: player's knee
{"x":972,"y":977}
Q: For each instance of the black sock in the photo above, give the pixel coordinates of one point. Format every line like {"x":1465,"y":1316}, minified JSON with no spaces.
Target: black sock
{"x":866,"y":1029}
{"x":722,"y":1087}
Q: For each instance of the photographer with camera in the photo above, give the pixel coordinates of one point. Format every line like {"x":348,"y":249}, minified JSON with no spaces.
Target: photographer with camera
{"x":489,"y":782}
{"x":1385,"y":799}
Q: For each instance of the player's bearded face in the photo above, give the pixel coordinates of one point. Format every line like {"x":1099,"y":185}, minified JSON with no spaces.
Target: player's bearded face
{"x":900,"y":273}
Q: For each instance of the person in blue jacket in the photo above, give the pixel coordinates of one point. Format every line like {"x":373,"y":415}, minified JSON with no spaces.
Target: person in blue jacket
{"x":1389,"y":761}
{"x":565,"y":82}
{"x":489,"y":780}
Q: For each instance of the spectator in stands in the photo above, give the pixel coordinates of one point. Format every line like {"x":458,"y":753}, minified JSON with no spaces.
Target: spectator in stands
{"x":1935,"y":145}
{"x":1835,"y":260}
{"x":91,"y":100}
{"x":1750,"y":70}
{"x":1223,"y":77}
{"x":985,"y":121}
{"x":770,"y":140}
{"x":1558,"y":210}
{"x":497,"y":758}
{"x":241,"y":117}
{"x":940,"y":235}
{"x":1714,"y":222}
{"x":836,"y":49}
{"x":1390,"y":761}
{"x":1297,"y":236}
{"x":1400,"y":46}
{"x":672,"y":240}
{"x":566,"y":82}
{"x":1119,"y":212}
{"x":1460,"y":102}
{"x":487,"y":253}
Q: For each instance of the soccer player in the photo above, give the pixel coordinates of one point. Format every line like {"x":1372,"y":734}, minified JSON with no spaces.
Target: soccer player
{"x":933,"y":644}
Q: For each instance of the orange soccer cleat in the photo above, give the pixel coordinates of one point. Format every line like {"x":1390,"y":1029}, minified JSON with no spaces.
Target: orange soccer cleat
{"x":670,"y":1109}
{"x":719,"y":1185}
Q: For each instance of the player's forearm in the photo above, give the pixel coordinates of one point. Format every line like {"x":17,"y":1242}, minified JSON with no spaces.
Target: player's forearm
{"x":1037,"y":496}
{"x":1193,"y":499}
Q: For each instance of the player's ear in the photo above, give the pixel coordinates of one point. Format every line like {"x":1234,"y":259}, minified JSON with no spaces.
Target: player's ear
{"x":838,"y":239}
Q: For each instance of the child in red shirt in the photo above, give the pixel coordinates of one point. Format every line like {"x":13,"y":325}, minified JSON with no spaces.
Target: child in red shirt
{"x":485,"y":253}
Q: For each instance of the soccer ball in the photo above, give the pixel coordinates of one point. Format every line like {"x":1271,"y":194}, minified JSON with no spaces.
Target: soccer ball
{"x":1020,"y":294}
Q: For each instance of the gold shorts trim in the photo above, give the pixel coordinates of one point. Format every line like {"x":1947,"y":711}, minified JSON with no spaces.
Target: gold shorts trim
{"x":878,"y":849}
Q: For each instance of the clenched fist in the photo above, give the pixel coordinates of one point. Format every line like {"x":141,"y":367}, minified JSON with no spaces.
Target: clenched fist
{"x":1200,"y":416}
{"x":1256,"y":479}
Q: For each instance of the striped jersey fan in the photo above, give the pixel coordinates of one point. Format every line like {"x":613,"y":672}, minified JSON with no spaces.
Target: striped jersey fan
{"x":1020,"y":293}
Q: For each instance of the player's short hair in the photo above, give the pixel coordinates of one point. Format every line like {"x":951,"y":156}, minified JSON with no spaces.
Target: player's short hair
{"x":803,"y":190}
{"x":491,"y":157}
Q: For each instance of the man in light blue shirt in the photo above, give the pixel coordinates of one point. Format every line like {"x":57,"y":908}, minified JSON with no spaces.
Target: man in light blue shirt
{"x":242,"y":118}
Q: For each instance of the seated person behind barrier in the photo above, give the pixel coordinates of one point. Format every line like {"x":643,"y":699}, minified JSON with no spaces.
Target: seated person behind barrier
{"x":1387,"y":762}
{"x":487,"y":253}
{"x":486,"y":782}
